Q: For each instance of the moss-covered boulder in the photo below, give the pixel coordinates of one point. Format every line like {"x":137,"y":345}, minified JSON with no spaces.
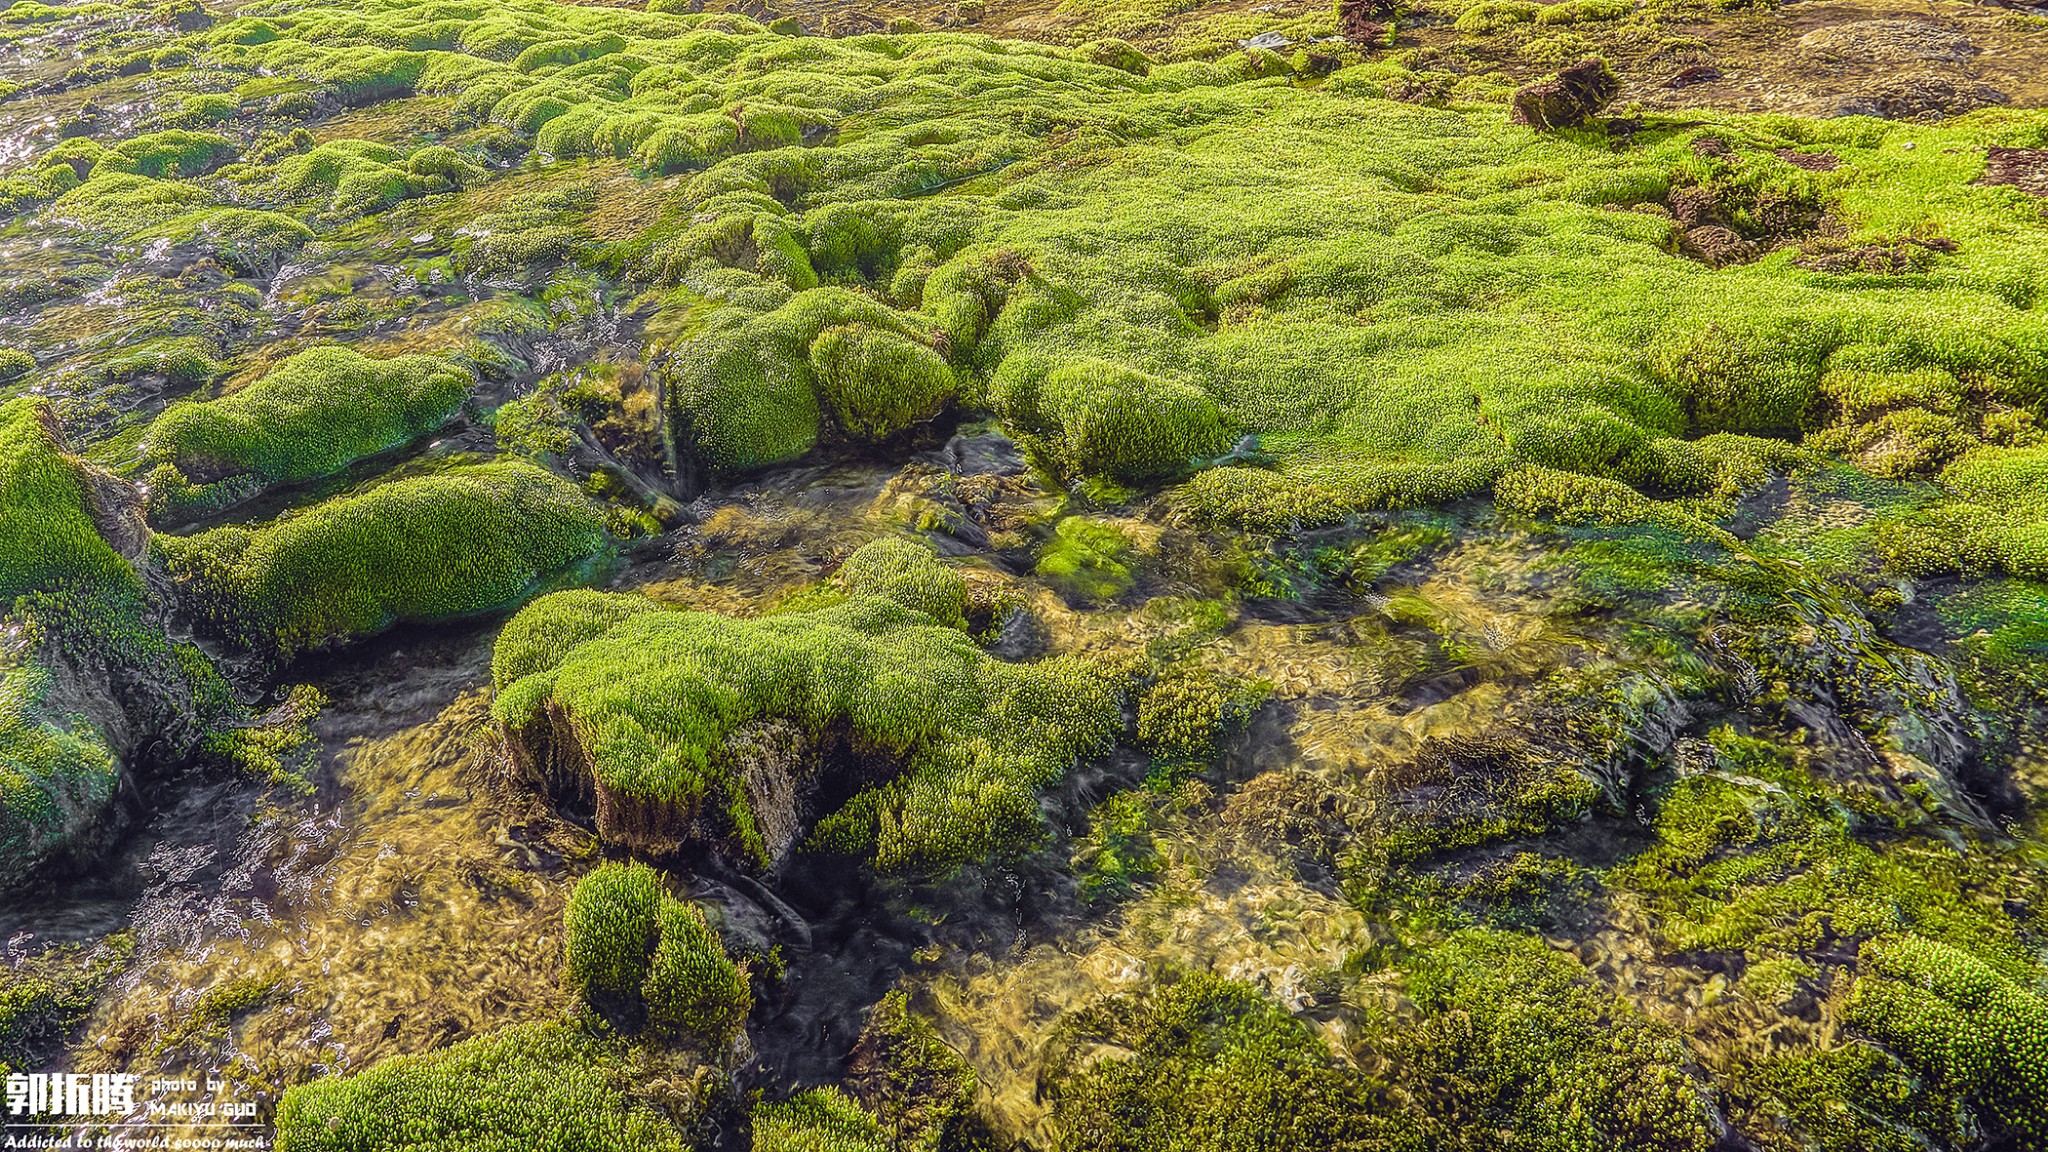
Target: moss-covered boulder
{"x":1100,"y":418}
{"x":71,"y":617}
{"x":688,"y":726}
{"x":311,"y":416}
{"x":431,"y":548}
{"x":755,"y":389}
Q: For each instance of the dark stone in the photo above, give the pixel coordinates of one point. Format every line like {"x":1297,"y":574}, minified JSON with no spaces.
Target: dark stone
{"x":1568,"y":99}
{"x":1697,"y":74}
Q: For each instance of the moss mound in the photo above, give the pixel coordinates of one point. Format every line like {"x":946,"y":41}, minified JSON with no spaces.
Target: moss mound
{"x":1963,"y":1023}
{"x":755,"y":388}
{"x":821,"y":1120}
{"x":528,"y":1086}
{"x":432,"y":548}
{"x":49,"y":537}
{"x":311,"y":416}
{"x":636,"y":950}
{"x":655,"y":715}
{"x":909,"y":574}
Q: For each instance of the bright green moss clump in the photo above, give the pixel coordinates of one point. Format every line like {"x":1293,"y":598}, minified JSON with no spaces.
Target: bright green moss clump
{"x":1961,"y":1022}
{"x":821,"y":1120}
{"x":634,"y":947}
{"x":310,"y":416}
{"x":644,"y":712}
{"x":755,"y":388}
{"x":48,"y":538}
{"x":433,"y":548}
{"x":908,"y":573}
{"x":1103,"y":419}
{"x":1088,"y":560}
{"x":527,"y":1087}
{"x":877,"y":384}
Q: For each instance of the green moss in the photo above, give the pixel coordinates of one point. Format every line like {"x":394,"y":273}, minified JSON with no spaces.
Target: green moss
{"x":1088,"y":560}
{"x":910,"y":574}
{"x":1516,"y":1038}
{"x":56,"y":772}
{"x":612,"y":924}
{"x":1960,"y":1021}
{"x":1120,"y":851}
{"x":45,"y":1000}
{"x":1201,"y":1063}
{"x":311,"y":416}
{"x":528,"y":1086}
{"x":1110,"y":420}
{"x":14,"y":364}
{"x":1758,"y":856}
{"x":1856,"y":1097}
{"x":692,"y":989}
{"x":166,"y":155}
{"x":1190,"y":709}
{"x":48,"y":537}
{"x":877,"y":384}
{"x":432,"y":548}
{"x":248,"y":241}
{"x":634,"y":947}
{"x":654,"y":698}
{"x":751,"y":389}
{"x":821,"y":1120}
{"x":543,"y":634}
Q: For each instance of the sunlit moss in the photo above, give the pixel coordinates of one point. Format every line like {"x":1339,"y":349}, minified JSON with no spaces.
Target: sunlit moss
{"x":651,"y":700}
{"x":310,"y":416}
{"x":634,"y":947}
{"x":909,"y":574}
{"x":1960,"y":1021}
{"x":432,"y":548}
{"x":528,"y":1086}
{"x":821,"y":1120}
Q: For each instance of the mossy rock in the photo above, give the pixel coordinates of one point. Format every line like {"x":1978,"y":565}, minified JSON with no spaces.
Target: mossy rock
{"x":877,"y":384}
{"x":465,"y":541}
{"x":310,"y":416}
{"x":1106,"y":419}
{"x":687,"y":726}
{"x":754,"y":389}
